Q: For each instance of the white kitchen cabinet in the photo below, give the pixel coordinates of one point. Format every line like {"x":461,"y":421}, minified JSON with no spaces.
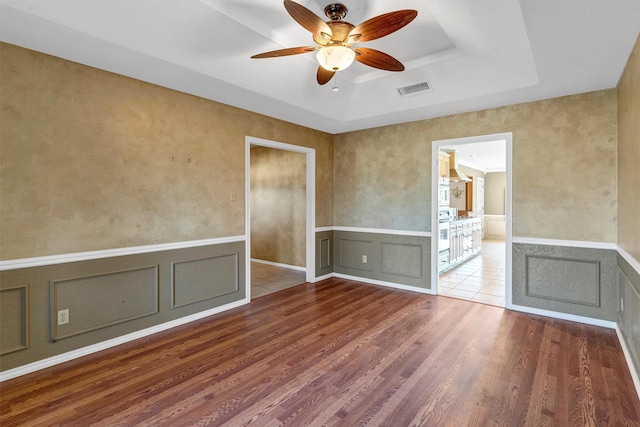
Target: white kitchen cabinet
{"x":465,"y":239}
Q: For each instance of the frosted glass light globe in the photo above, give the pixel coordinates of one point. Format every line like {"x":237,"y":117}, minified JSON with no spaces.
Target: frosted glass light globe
{"x":335,"y":58}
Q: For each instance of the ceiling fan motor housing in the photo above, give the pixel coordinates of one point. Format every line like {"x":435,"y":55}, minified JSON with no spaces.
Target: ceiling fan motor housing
{"x":336,"y":11}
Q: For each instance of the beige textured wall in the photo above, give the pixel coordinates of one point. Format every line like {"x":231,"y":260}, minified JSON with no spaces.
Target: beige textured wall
{"x":92,"y":160}
{"x":494,"y":190}
{"x":564,"y":168}
{"x":278,"y":201}
{"x":629,"y":155}
{"x":382,"y":178}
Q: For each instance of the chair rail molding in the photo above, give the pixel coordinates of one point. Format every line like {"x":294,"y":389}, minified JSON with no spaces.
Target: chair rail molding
{"x":14,"y":264}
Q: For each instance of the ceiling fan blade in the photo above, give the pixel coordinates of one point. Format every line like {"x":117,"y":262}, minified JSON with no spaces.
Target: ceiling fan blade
{"x":306,"y":18}
{"x":384,"y":25}
{"x":324,"y":75}
{"x":376,"y":59}
{"x":285,"y":52}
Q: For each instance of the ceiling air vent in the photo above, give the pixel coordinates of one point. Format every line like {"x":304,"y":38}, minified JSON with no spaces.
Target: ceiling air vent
{"x":414,"y":89}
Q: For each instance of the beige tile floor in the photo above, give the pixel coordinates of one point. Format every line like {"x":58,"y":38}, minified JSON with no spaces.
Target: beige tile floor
{"x":266,"y":279}
{"x":480,"y":279}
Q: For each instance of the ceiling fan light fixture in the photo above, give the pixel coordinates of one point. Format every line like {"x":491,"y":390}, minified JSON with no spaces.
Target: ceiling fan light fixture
{"x":335,"y":37}
{"x":335,"y":58}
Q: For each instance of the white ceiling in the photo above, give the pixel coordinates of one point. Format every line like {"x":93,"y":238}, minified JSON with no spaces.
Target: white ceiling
{"x":475,"y":54}
{"x":490,"y":156}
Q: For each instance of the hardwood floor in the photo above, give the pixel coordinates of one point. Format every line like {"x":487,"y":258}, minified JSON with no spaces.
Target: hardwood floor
{"x":342,"y":353}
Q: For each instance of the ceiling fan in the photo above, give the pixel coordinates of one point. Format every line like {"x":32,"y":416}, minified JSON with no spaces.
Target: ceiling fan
{"x":336,"y":37}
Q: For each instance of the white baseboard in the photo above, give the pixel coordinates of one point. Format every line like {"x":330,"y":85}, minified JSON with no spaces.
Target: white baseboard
{"x":278,"y":264}
{"x":325,"y":277}
{"x":383,"y":283}
{"x":627,"y":356}
{"x":84,"y":351}
{"x":564,"y":316}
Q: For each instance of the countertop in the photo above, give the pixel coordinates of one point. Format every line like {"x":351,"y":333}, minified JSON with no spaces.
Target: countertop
{"x":464,"y":218}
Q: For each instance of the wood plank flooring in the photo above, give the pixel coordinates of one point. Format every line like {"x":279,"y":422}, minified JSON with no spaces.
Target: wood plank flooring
{"x":342,"y":353}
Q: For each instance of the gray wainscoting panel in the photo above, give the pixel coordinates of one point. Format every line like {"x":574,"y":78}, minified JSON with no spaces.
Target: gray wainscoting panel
{"x":569,"y":280}
{"x":351,"y":253}
{"x":623,"y":291}
{"x":579,"y":281}
{"x":391,"y":258}
{"x":103,"y":299}
{"x":111,"y":297}
{"x":14,"y":318}
{"x":324,"y":253}
{"x":629,"y":308}
{"x":633,"y":328}
{"x":203,"y":279}
{"x":402,"y":260}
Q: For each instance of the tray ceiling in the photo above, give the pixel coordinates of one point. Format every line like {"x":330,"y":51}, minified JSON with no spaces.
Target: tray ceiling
{"x":472,"y":54}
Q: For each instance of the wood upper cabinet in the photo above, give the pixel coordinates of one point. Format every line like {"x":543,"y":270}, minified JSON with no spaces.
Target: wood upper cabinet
{"x":443,"y":166}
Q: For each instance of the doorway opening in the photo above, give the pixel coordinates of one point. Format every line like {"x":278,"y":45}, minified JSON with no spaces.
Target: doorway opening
{"x":471,"y":243}
{"x":302,"y":250}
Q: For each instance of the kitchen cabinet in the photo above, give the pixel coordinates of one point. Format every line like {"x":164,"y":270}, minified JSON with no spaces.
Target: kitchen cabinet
{"x":465,"y":239}
{"x":443,"y":166}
